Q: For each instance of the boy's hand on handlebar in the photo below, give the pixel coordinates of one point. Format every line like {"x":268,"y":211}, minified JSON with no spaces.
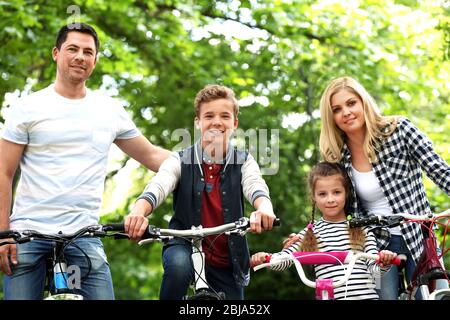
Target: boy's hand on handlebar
{"x":5,"y":251}
{"x":263,"y":217}
{"x":386,"y":258}
{"x":258,"y":258}
{"x":261,"y":221}
{"x":293,"y":238}
{"x":135,"y":225}
{"x":136,"y":221}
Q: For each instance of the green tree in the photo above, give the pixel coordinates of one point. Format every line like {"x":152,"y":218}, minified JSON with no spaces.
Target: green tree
{"x":276,"y":55}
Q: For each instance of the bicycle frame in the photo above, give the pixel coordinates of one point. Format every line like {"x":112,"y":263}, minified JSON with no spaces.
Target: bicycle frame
{"x":58,"y":289}
{"x":324,"y":287}
{"x":429,"y":268}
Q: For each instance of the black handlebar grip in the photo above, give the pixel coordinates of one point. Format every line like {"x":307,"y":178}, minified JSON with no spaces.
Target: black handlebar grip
{"x":120,"y":227}
{"x":277,"y":222}
{"x":114,"y":227}
{"x":8,"y":234}
{"x":355,"y":223}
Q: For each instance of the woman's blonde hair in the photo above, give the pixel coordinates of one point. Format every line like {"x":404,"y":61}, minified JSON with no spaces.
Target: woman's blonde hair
{"x":323,"y":169}
{"x":378,"y":127}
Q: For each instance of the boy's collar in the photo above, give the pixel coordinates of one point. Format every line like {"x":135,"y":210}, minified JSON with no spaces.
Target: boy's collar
{"x":199,"y":154}
{"x":206,"y":158}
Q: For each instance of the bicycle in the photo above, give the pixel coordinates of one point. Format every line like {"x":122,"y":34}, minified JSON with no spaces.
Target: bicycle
{"x":202,"y":290}
{"x":324,"y":287}
{"x":57,"y":278}
{"x":429,"y":268}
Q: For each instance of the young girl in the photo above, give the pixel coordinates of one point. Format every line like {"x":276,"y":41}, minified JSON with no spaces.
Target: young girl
{"x":330,"y":189}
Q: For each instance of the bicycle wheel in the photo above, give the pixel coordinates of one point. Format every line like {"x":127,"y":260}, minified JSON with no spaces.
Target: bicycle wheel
{"x":442,"y":294}
{"x":65,"y":296}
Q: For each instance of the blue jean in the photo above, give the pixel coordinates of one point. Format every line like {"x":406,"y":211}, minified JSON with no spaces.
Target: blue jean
{"x":27,"y":280}
{"x":179,"y":273}
{"x":390,"y":279}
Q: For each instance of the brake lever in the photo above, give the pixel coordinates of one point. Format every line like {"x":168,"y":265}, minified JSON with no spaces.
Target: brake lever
{"x":392,"y":221}
{"x":239,"y":232}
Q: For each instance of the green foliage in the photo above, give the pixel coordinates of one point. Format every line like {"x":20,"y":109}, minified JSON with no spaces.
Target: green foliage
{"x":155,"y":56}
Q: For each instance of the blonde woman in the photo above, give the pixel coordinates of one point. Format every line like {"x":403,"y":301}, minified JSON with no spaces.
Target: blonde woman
{"x":384,"y":158}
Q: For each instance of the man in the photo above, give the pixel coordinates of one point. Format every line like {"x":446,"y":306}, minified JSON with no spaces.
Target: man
{"x":61,"y":136}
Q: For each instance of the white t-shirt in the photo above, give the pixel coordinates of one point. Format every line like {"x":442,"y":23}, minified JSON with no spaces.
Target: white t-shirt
{"x":63,"y":166}
{"x":372,"y":197}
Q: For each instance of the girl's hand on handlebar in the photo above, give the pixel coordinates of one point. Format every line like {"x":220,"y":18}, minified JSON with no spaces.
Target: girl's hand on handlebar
{"x":258,"y":258}
{"x":386,"y":258}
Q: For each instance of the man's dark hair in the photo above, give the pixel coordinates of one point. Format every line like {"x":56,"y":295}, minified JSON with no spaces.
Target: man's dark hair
{"x":77,"y":27}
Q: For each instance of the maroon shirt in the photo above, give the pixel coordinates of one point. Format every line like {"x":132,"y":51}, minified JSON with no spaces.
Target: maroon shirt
{"x":215,"y":247}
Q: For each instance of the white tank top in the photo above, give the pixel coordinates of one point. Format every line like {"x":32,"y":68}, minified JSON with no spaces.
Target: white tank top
{"x":372,"y":197}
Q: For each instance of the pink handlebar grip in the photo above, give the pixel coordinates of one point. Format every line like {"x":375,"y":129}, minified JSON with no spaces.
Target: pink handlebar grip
{"x":268,"y":256}
{"x":397,"y":260}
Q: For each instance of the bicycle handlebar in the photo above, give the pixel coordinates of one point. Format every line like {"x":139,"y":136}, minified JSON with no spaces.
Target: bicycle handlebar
{"x":393,"y":220}
{"x":22,"y":236}
{"x":333,"y":257}
{"x":9,"y":234}
{"x":240,"y":227}
{"x":152,"y":233}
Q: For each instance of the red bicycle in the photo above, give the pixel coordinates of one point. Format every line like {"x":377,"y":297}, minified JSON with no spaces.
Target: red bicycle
{"x":429,"y":267}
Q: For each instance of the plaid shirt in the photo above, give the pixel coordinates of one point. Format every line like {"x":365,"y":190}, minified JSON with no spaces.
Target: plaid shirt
{"x":398,"y":168}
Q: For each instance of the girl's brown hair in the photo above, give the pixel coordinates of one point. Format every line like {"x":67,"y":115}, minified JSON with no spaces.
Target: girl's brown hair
{"x":326,"y":169}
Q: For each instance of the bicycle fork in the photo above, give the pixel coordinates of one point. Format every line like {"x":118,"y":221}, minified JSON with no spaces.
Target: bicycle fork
{"x":198,"y":260}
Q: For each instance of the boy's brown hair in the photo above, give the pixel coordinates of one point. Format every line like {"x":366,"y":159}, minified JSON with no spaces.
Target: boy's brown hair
{"x":213,"y":92}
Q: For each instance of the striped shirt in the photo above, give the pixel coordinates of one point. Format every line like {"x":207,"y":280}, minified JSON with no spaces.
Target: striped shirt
{"x":401,"y":159}
{"x":63,"y":166}
{"x":334,"y":236}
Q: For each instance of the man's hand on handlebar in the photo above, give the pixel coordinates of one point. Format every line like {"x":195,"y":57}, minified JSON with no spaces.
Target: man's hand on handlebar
{"x":7,"y":250}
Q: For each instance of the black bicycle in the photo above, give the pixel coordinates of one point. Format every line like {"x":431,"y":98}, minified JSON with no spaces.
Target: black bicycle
{"x":60,"y":283}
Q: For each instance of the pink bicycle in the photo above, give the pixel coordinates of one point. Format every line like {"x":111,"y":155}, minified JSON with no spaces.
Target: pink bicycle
{"x":324,"y":287}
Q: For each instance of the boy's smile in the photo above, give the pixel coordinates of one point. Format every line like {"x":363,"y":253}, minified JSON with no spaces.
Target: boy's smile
{"x":217,"y":123}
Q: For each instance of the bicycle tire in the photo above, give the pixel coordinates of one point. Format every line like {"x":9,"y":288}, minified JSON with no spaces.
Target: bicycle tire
{"x":206,"y":294}
{"x":442,"y":294}
{"x":65,"y":296}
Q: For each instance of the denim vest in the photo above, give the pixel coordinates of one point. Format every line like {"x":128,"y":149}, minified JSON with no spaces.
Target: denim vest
{"x":187,"y":199}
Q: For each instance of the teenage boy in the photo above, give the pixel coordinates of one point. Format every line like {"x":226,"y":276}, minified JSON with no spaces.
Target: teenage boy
{"x":209,"y":181}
